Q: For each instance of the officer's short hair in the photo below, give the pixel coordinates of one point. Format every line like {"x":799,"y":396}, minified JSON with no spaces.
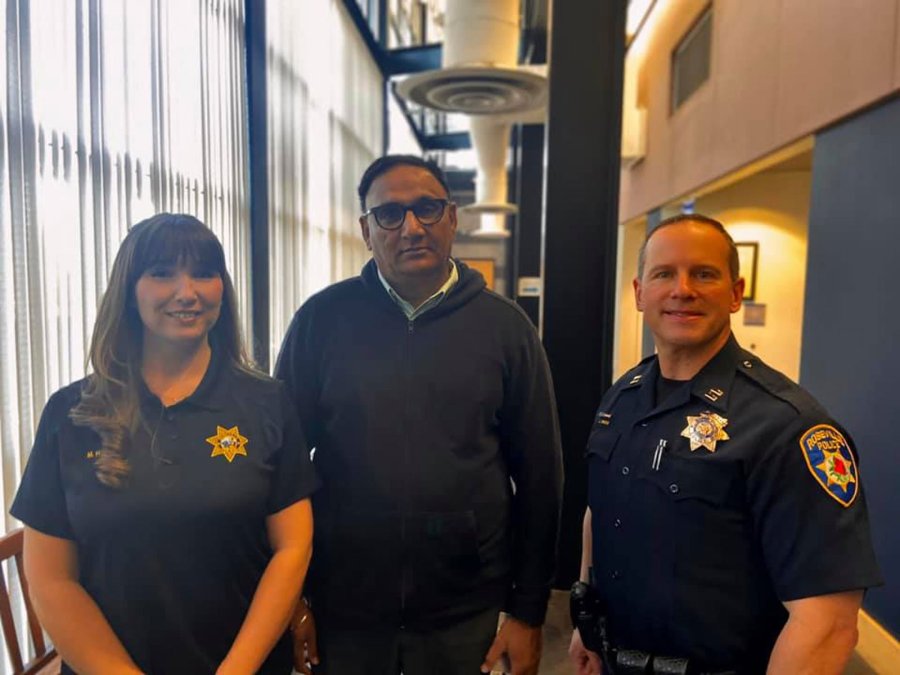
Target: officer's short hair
{"x":384,"y":164}
{"x":733,"y":263}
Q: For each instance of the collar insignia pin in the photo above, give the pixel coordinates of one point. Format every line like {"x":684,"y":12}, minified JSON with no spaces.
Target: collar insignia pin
{"x":705,"y":430}
{"x":227,"y":443}
{"x":714,"y":394}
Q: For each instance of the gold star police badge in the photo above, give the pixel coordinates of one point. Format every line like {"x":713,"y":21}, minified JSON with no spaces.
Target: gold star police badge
{"x":705,"y":429}
{"x":228,"y":443}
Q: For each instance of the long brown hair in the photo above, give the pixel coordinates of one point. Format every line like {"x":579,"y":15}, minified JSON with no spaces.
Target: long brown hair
{"x":110,"y":398}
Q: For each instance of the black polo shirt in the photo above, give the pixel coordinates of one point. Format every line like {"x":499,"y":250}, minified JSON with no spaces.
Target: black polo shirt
{"x":173,"y":559}
{"x":694,"y":551}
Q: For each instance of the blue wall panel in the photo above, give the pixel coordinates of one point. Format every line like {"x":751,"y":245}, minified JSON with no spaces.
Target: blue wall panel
{"x":851,"y":323}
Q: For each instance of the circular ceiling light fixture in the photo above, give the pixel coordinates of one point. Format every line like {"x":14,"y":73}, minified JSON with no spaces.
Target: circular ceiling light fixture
{"x":476,"y":90}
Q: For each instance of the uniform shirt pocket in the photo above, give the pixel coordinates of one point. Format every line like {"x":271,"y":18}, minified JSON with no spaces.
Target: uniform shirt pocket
{"x":693,"y":479}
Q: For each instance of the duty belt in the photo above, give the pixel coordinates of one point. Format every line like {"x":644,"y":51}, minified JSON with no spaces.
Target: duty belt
{"x":633,"y":662}
{"x":588,"y":616}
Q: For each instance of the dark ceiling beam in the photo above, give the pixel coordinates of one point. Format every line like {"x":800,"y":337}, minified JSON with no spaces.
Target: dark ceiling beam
{"x":457,"y":140}
{"x":376,"y":49}
{"x":413,"y":59}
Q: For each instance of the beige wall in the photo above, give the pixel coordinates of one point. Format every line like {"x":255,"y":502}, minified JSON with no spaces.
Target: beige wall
{"x":772,"y":209}
{"x":629,"y":322}
{"x":780,"y":69}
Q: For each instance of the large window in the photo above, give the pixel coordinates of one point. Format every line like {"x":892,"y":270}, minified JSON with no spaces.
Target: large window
{"x":690,"y":60}
{"x":325,"y":117}
{"x":111,"y":111}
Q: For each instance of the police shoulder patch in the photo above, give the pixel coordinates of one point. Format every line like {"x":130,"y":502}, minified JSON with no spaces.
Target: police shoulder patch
{"x":830,"y":461}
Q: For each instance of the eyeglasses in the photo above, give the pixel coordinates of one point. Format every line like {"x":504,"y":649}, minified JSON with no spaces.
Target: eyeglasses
{"x":390,"y":215}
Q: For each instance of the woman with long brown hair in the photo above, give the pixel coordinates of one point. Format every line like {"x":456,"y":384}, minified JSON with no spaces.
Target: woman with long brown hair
{"x":166,"y":499}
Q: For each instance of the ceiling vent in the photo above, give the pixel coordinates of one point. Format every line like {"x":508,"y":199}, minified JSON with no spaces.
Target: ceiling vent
{"x":479,"y":74}
{"x":476,"y":90}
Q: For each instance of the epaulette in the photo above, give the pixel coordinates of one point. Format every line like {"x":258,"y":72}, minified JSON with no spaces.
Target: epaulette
{"x":634,"y":376}
{"x":778,"y":384}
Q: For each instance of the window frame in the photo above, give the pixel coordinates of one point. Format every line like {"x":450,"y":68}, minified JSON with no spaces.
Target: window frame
{"x":704,"y":17}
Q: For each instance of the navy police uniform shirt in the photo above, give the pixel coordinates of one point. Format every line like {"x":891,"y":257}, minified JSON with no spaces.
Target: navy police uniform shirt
{"x":173,"y":558}
{"x":735,"y":493}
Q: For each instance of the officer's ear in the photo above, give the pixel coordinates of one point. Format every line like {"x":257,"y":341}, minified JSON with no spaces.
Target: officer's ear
{"x":737,"y":294}
{"x":638,"y":295}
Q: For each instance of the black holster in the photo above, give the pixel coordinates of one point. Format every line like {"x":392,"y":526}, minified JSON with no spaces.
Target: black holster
{"x":589,"y":617}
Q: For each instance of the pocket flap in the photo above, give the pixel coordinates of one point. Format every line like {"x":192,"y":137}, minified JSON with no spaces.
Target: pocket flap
{"x":695,"y":479}
{"x":602,"y":443}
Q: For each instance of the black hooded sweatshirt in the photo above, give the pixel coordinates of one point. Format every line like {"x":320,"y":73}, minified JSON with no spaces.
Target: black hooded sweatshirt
{"x":437,"y":443}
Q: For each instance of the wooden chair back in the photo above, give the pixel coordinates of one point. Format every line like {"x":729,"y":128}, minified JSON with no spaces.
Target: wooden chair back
{"x":11,"y":547}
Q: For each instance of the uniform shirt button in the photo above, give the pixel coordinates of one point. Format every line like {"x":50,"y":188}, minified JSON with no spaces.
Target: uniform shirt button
{"x":170,"y":416}
{"x":616,"y":574}
{"x":617,"y":523}
{"x":643,"y":424}
{"x":673,"y":488}
{"x":173,"y":436}
{"x":625,"y":470}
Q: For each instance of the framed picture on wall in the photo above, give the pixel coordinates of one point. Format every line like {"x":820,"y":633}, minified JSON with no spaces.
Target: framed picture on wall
{"x":748,"y":253}
{"x":483,"y":265}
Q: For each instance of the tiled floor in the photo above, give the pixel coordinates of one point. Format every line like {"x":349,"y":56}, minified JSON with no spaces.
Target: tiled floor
{"x":558,"y":631}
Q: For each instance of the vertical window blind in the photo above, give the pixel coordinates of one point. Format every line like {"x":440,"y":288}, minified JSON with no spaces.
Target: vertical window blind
{"x":324,"y":117}
{"x":110,"y":111}
{"x":113,"y":110}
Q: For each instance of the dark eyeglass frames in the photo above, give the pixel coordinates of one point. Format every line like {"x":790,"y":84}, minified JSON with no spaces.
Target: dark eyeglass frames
{"x":390,"y":215}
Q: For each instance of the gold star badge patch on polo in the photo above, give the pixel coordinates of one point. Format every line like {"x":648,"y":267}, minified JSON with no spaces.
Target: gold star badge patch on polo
{"x":831,"y":462}
{"x":705,"y":430}
{"x":228,"y":443}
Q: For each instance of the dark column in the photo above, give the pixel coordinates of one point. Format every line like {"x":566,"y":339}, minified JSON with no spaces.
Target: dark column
{"x":526,"y":254}
{"x":255,"y":13}
{"x":587,"y":47}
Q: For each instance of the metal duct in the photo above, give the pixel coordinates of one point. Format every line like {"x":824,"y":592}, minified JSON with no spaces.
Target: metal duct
{"x":479,"y":73}
{"x":480,"y":77}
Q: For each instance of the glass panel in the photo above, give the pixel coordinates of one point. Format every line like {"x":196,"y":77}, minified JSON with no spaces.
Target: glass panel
{"x":325,"y":118}
{"x":690,"y":61}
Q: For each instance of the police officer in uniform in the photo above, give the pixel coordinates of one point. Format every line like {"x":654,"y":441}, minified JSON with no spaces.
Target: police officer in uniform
{"x":726,"y":529}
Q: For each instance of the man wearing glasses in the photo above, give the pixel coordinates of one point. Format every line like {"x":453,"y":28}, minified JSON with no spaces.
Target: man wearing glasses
{"x":429,"y":404}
